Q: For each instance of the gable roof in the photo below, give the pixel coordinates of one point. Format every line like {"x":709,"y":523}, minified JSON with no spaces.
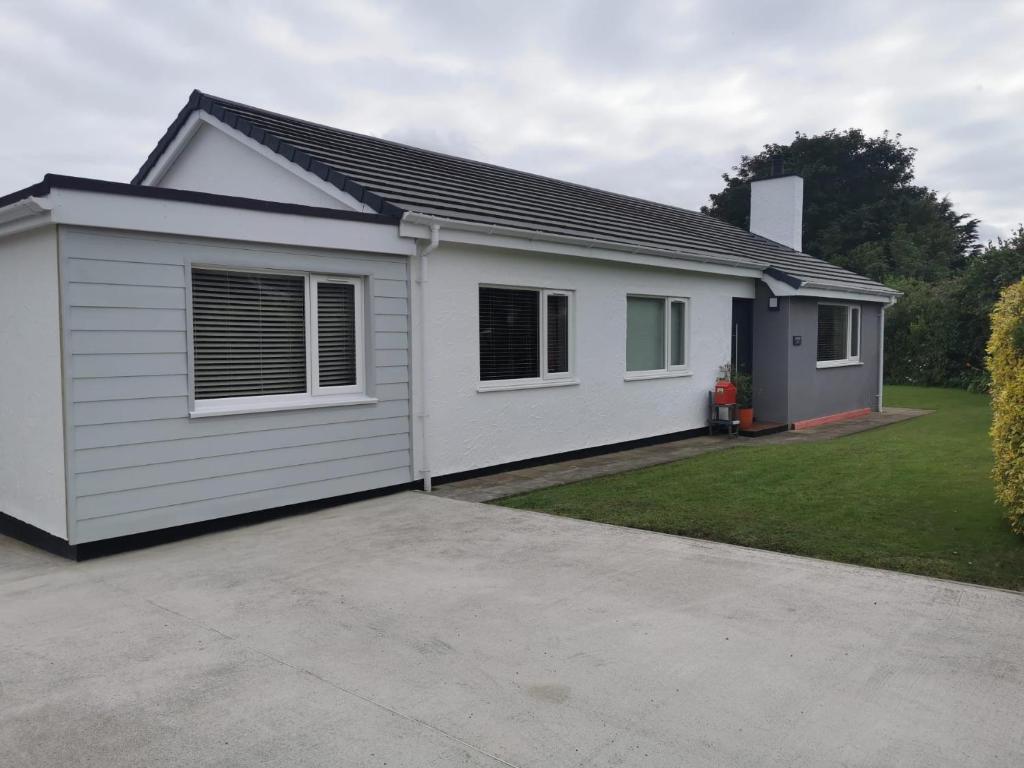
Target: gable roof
{"x":393,"y":179}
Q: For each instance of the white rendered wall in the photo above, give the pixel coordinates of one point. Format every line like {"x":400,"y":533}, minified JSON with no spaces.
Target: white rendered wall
{"x":31,"y":405}
{"x":468,"y":429}
{"x":777,"y":210}
{"x":216,"y":163}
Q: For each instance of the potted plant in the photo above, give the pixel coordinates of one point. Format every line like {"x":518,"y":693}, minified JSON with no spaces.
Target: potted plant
{"x":744,"y":399}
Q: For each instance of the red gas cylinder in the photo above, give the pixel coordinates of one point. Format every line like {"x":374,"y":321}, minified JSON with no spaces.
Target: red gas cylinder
{"x":725,"y":392}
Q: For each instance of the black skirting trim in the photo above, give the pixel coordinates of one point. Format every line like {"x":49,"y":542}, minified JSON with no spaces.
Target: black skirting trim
{"x":29,"y":534}
{"x":37,"y":537}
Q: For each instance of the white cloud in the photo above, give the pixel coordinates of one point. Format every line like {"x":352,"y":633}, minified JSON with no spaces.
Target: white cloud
{"x":647,"y":98}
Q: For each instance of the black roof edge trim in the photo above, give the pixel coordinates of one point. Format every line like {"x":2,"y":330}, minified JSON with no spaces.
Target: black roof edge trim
{"x":56,"y":181}
{"x":224,"y":113}
{"x":39,"y":189}
{"x":194,"y":102}
{"x":785,"y":277}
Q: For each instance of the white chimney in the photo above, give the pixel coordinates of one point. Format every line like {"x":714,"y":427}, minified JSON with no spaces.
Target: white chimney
{"x":777,"y":209}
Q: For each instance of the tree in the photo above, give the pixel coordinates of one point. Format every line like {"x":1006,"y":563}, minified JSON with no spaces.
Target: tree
{"x":862,"y":210}
{"x":936,"y":333}
{"x":1000,"y":264}
{"x":1006,"y":364}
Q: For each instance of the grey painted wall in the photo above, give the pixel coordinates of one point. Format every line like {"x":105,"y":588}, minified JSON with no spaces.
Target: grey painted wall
{"x":770,"y":358}
{"x":788,"y":385}
{"x":138,"y":462}
{"x":817,"y":391}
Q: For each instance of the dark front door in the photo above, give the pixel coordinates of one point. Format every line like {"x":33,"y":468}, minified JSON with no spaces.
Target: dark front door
{"x":742,"y":335}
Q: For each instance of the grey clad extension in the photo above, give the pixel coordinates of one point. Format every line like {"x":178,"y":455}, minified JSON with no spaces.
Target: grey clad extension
{"x":276,"y":312}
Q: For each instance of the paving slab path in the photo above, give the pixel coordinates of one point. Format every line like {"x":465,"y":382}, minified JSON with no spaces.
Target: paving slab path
{"x":523,"y":480}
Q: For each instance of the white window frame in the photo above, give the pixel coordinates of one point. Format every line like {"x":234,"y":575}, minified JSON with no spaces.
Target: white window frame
{"x":314,"y":396}
{"x":546,"y":378}
{"x":850,"y":358}
{"x":313,"y":337}
{"x":668,"y":370}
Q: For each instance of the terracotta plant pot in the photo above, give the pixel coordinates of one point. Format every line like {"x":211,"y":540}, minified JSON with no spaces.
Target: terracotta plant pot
{"x":746,"y":418}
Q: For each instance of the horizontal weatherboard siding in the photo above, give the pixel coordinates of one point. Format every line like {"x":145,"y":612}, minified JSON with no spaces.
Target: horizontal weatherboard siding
{"x":156,"y":430}
{"x":139,"y":462}
{"x":88,"y":390}
{"x":143,"y":364}
{"x":188,"y":448}
{"x":152,"y":275}
{"x":184,"y":491}
{"x":116,"y":319}
{"x":127,"y":342}
{"x":94,"y":529}
{"x":185,"y":470}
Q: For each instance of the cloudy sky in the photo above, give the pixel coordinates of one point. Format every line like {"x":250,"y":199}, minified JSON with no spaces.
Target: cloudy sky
{"x":654,"y":99}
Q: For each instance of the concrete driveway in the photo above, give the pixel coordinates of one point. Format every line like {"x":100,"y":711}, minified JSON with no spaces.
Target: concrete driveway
{"x":420,"y":631}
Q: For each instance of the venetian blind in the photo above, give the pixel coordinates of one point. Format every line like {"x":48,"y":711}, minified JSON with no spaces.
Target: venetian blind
{"x":249,"y":333}
{"x":509,"y":334}
{"x":832,"y":329}
{"x":336,"y":333}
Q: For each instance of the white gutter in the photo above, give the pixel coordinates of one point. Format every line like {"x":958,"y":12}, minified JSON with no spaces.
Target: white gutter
{"x":423,"y":259}
{"x":531,"y":235}
{"x":29,"y":213}
{"x":415,"y":225}
{"x":822,"y":291}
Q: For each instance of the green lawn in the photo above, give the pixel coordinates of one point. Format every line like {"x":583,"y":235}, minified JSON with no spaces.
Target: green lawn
{"x":911,"y":497}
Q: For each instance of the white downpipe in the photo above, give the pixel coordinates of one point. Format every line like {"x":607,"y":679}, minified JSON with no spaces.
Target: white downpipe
{"x":881,"y":354}
{"x":421,"y":338}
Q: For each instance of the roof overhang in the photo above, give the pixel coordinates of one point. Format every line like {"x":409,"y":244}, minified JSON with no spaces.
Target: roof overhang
{"x":783,"y":284}
{"x":27,"y":213}
{"x":82,"y":202}
{"x":417,"y":226}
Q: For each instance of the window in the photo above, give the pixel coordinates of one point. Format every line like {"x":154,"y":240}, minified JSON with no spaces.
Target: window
{"x":335,"y":335}
{"x":525,"y":334}
{"x":266,"y":339}
{"x":558,"y":333}
{"x":838,"y":335}
{"x":655,"y":336}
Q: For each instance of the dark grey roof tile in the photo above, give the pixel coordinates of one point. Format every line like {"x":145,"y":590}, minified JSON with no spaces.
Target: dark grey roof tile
{"x":393,"y":178}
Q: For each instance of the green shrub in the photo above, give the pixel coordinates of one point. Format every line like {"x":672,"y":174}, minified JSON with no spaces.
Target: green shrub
{"x":744,"y":390}
{"x":920,"y":333}
{"x":1006,"y":364}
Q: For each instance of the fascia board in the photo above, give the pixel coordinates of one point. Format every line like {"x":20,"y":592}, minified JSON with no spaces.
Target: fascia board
{"x":780,"y":288}
{"x":471,"y":233}
{"x":188,"y":219}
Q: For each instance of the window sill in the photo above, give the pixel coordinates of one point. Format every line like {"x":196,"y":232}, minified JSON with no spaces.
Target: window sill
{"x":505,"y":386}
{"x":214,"y":408}
{"x":838,"y":363}
{"x":644,"y":375}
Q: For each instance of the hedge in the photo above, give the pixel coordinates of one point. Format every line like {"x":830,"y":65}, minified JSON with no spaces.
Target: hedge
{"x":1006,"y":365}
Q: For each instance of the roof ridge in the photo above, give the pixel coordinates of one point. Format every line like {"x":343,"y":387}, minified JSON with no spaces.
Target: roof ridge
{"x":229,"y":103}
{"x":394,"y":178}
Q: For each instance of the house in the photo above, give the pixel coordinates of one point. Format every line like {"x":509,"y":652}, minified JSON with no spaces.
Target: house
{"x":274,"y":312}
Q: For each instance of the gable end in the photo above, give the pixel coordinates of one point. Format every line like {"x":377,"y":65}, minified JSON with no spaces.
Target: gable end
{"x":199,"y":102}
